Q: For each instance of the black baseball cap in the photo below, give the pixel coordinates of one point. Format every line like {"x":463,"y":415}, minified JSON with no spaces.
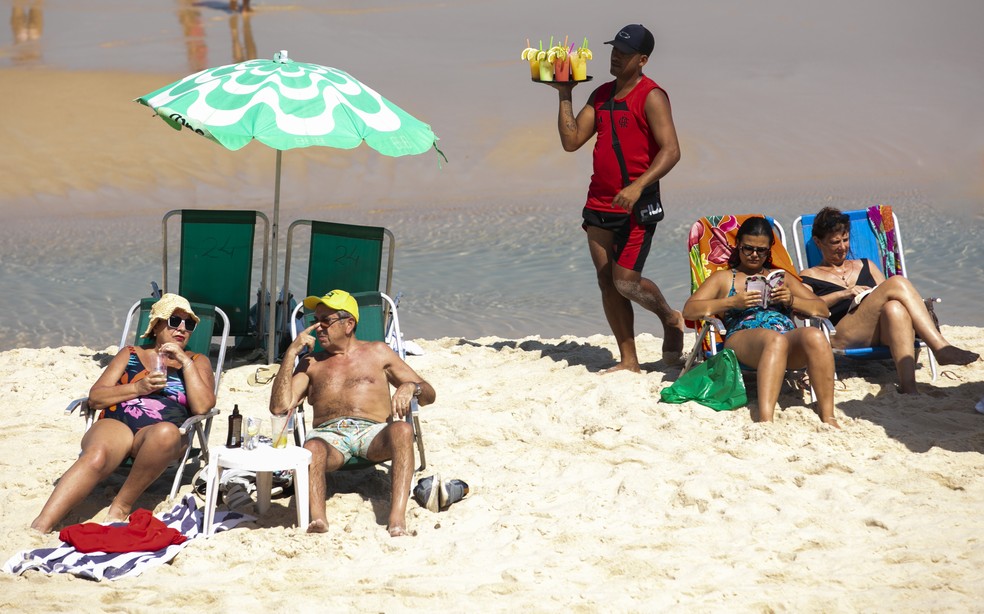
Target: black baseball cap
{"x":633,"y":38}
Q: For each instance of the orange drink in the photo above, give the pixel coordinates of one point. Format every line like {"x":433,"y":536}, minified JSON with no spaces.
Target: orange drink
{"x":562,"y":70}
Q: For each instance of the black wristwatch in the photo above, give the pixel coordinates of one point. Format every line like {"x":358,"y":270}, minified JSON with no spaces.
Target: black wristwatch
{"x":417,"y":390}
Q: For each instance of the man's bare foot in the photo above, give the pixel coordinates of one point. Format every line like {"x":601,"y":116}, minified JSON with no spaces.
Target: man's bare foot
{"x":317,"y":526}
{"x":398,"y":531}
{"x":832,"y":422}
{"x":623,"y":367}
{"x":950,"y":355}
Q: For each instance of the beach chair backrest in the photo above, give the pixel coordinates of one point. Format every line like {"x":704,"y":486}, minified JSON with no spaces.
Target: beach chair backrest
{"x":343,"y":256}
{"x":349,"y":257}
{"x":216,"y":261}
{"x":712,"y":239}
{"x":710,"y":243}
{"x":372,"y":316}
{"x":864,"y":240}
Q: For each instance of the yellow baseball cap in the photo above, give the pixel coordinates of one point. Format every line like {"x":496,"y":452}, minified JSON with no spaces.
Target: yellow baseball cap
{"x":339,"y":300}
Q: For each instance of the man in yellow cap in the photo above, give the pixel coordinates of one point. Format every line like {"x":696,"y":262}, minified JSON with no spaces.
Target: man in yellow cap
{"x":348,"y":387}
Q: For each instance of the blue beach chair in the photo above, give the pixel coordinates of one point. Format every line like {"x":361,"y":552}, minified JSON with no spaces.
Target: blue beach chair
{"x":865,"y":243}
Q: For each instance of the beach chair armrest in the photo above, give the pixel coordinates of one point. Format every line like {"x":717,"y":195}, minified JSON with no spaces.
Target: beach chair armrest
{"x":192,"y":421}
{"x":823,"y":323}
{"x":81,"y":403}
{"x":717,"y":325}
{"x":413,"y":417}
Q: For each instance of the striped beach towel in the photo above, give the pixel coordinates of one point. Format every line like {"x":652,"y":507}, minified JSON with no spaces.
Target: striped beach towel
{"x":185,"y":518}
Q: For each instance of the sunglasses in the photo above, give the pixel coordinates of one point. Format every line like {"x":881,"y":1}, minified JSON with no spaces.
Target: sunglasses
{"x":748,"y":250}
{"x":326,"y":321}
{"x":175,"y":322}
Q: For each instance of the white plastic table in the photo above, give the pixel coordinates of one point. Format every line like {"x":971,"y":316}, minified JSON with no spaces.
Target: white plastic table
{"x":264,"y":461}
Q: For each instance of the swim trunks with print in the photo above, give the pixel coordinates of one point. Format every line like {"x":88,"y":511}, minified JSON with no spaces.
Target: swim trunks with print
{"x":350,"y":436}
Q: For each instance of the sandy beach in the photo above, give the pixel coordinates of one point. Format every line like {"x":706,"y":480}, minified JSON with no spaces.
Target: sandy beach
{"x":587,"y":494}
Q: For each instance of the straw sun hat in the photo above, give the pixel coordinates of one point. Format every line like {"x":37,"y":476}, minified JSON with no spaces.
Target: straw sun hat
{"x":165,"y":307}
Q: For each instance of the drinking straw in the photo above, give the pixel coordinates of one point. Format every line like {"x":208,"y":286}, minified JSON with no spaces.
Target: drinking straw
{"x":527,"y":42}
{"x":565,"y":41}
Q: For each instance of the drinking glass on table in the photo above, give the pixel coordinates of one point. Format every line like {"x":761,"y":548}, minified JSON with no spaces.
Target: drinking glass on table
{"x":282,"y":430}
{"x":252,"y":430}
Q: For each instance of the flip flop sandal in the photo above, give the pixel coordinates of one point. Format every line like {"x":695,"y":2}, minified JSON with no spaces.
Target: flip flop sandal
{"x":263,"y":375}
{"x":199,"y":483}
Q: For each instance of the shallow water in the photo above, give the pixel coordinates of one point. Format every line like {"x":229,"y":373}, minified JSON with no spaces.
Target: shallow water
{"x":509,"y":270}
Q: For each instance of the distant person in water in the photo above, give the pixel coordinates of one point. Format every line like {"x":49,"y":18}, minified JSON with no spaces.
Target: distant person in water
{"x":893,"y":314}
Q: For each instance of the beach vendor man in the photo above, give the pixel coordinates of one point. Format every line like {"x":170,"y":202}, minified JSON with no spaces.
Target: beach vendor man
{"x":618,"y":243}
{"x":347,"y":384}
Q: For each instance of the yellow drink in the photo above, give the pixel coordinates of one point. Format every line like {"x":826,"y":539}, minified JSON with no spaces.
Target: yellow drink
{"x":281,"y":431}
{"x":535,"y":69}
{"x":579,"y":66}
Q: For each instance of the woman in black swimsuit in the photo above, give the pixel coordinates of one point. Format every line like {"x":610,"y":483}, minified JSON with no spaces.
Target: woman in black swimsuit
{"x":892,"y":314}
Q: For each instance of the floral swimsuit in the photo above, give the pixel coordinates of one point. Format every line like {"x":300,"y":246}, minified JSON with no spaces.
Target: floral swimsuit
{"x":755,"y":317}
{"x":169,"y":404}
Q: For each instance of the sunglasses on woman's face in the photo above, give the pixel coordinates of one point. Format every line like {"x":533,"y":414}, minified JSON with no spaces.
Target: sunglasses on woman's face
{"x":748,"y":250}
{"x":175,"y":322}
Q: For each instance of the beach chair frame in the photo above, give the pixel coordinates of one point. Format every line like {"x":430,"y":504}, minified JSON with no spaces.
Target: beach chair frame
{"x":378,"y":319}
{"x":195,"y":427}
{"x":709,"y":333}
{"x":864,"y":244}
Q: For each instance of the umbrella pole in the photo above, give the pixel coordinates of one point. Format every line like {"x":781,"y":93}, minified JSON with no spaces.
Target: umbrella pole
{"x":272,"y":335}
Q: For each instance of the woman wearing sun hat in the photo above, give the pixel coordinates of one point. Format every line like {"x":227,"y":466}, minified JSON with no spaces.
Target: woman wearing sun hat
{"x":142,"y":409}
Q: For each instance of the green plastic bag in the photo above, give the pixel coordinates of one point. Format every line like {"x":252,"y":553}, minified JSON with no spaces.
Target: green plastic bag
{"x":716,"y":383}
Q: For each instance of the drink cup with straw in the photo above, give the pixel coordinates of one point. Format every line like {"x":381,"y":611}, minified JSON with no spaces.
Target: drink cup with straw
{"x":281,"y":430}
{"x":534,"y":63}
{"x":579,"y":62}
{"x":562,"y":65}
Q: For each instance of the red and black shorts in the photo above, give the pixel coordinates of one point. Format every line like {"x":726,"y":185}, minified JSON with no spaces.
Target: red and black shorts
{"x":632,"y":241}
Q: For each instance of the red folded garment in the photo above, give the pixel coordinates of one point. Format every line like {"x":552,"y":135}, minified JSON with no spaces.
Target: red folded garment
{"x":143,"y":533}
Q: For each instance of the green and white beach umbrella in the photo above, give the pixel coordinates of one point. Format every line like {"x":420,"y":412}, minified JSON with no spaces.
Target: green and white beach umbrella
{"x":284,"y":105}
